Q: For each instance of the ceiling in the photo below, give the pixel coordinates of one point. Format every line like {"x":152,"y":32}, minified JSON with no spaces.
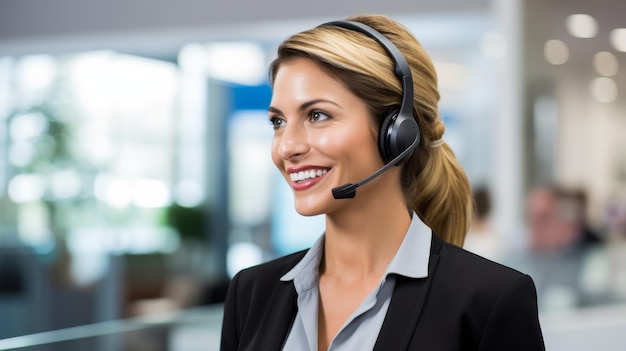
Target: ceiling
{"x":546,"y":20}
{"x":30,"y":26}
{"x":159,"y":28}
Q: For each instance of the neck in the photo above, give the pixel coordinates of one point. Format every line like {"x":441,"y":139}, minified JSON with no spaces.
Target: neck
{"x":363,"y":239}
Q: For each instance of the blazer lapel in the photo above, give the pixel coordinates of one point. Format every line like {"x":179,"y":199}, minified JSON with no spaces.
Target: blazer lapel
{"x":406,"y":305}
{"x":277,"y":319}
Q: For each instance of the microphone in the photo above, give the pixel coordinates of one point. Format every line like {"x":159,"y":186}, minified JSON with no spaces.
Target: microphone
{"x":348,"y":191}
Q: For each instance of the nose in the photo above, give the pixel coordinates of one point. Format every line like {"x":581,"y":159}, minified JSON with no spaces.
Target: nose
{"x":292,"y":142}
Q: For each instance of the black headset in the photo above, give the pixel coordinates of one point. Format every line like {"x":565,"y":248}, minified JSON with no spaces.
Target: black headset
{"x":399,"y":131}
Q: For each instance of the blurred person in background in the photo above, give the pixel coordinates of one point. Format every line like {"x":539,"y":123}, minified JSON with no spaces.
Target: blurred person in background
{"x":559,"y":248}
{"x":553,"y":222}
{"x":482,"y":238}
{"x":589,"y":235}
{"x":388,"y":273}
{"x":616,"y":248}
{"x":616,"y":220}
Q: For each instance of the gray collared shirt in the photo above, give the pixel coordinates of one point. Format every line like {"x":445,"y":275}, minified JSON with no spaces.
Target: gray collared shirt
{"x":361,"y":329}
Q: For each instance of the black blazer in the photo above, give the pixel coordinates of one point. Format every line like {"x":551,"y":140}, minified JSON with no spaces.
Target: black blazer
{"x":465,"y":303}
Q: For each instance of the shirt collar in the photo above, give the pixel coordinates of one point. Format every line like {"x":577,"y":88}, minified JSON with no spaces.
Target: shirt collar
{"x":305,"y":274}
{"x":412,"y":257}
{"x":411,"y":260}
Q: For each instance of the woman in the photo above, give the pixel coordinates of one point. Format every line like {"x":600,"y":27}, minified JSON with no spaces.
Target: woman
{"x":388,"y":273}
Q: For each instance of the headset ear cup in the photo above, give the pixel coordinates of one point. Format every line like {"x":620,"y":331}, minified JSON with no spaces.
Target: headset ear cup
{"x":383,"y":136}
{"x":397,"y":134}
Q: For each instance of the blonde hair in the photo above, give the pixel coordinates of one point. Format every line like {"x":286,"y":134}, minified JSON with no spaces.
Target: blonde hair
{"x":434,"y":184}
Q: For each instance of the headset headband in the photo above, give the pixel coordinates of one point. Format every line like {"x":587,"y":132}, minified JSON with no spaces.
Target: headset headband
{"x":402,"y":68}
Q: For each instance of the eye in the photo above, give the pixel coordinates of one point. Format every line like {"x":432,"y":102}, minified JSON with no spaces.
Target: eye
{"x":276,"y":122}
{"x":318,"y":116}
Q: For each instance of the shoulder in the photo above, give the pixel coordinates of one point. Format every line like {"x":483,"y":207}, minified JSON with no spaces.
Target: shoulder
{"x":251,"y":294}
{"x":469,"y":277}
{"x":496,"y":304}
{"x":459,"y":262}
{"x":255,"y":285}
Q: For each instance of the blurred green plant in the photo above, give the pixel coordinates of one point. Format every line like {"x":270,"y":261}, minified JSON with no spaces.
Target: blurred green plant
{"x":191,"y":223}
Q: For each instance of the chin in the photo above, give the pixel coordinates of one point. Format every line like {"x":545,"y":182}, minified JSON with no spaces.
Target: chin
{"x":308,"y":211}
{"x":313,"y":207}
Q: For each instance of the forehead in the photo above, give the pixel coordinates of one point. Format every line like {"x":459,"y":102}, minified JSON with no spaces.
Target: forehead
{"x":303,"y":79}
{"x":301,"y":67}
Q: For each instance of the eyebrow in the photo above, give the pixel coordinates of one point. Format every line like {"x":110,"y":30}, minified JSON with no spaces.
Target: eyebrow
{"x":304,"y":106}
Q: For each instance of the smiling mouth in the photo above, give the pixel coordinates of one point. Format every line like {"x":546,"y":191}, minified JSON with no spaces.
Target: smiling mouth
{"x":307,"y":175}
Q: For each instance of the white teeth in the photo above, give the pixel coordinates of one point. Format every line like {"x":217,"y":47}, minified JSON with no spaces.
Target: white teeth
{"x":308,"y":174}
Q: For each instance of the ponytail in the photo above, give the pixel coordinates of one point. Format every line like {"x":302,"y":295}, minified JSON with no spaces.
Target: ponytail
{"x":440,"y":193}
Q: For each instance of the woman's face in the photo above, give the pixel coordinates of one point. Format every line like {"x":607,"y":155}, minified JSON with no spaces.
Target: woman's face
{"x":323,"y":136}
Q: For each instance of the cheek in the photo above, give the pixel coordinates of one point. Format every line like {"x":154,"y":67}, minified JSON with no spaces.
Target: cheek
{"x":339,"y":147}
{"x":356,"y":144}
{"x":328,"y":142}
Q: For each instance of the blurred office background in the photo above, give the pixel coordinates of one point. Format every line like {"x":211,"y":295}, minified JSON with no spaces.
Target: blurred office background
{"x":135,"y":174}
